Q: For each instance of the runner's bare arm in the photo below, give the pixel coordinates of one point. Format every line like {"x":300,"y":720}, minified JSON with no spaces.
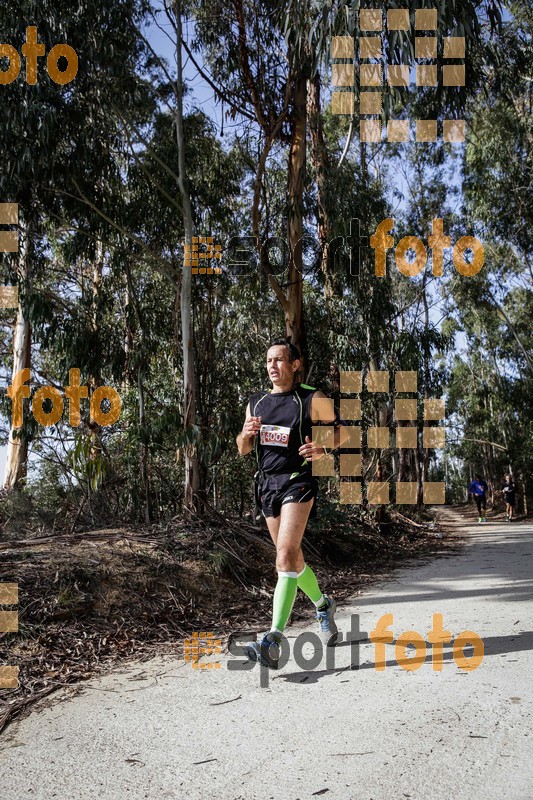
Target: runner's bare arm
{"x":245,"y":439}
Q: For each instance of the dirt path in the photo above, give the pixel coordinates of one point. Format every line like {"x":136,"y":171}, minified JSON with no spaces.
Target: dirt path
{"x":161,"y":729}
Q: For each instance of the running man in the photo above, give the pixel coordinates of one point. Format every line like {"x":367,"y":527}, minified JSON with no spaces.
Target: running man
{"x":278,"y":426}
{"x":478,"y":488}
{"x":509,"y":496}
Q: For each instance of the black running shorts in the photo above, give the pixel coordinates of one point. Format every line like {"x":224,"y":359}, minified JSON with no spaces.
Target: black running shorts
{"x":274,"y":491}
{"x":481,"y":501}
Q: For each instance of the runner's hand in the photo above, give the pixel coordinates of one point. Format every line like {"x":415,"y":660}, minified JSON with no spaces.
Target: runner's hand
{"x":311,"y":451}
{"x":251,"y":427}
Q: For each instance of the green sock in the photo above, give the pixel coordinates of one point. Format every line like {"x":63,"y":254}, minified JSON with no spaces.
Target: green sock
{"x":308,"y":583}
{"x":284,"y":596}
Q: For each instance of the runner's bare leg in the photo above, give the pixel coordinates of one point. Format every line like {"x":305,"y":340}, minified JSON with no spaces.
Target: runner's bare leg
{"x":287,"y":532}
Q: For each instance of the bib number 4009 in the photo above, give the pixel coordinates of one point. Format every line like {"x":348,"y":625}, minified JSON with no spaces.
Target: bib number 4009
{"x":274,"y":435}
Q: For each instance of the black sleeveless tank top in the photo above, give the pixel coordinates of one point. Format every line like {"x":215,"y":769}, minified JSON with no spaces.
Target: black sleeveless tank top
{"x":285,"y":422}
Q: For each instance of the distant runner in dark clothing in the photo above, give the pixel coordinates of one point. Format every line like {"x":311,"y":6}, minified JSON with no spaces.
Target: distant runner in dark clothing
{"x":509,"y":496}
{"x":478,"y":489}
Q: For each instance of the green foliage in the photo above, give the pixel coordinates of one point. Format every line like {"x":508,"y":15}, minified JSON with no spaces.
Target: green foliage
{"x":491,"y":382}
{"x":89,"y":468}
{"x":220,"y":562}
{"x":95,"y":171}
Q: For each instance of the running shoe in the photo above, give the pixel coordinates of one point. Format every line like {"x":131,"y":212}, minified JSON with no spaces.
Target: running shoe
{"x":479,"y":519}
{"x":266,"y":651}
{"x":326,"y":622}
{"x":483,"y":519}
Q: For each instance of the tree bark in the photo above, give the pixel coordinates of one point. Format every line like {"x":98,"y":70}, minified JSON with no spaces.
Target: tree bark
{"x":294,"y":321}
{"x":95,"y":380}
{"x":192,"y":482}
{"x":321,"y":164}
{"x":427,"y":357}
{"x":144,"y":452}
{"x":17,"y":448}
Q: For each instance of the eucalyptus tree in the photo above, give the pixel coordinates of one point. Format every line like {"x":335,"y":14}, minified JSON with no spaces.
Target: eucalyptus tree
{"x":494,"y":309}
{"x":264,"y":60}
{"x":51,"y":135}
{"x":499,"y":155}
{"x":151,"y":215}
{"x":498,"y":173}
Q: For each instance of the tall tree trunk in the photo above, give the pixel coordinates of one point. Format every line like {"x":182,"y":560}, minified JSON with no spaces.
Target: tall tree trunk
{"x":321,"y":164}
{"x":192,"y":478}
{"x":17,"y":448}
{"x":129,"y":331}
{"x":427,"y":357}
{"x":130,"y":318}
{"x":95,"y":380}
{"x":294,"y":321}
{"x":144,"y":452}
{"x":419,"y":481}
{"x":524,"y":486}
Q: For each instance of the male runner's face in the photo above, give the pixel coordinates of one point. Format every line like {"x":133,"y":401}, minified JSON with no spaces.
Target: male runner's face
{"x":280,"y":369}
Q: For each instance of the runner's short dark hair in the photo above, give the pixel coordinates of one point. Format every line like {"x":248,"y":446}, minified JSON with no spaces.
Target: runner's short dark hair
{"x":294,"y":353}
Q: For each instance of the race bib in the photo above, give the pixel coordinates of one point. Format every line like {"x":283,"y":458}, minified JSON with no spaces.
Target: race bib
{"x":275,"y":435}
